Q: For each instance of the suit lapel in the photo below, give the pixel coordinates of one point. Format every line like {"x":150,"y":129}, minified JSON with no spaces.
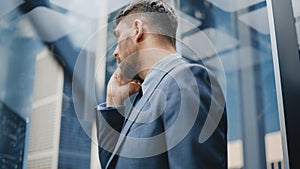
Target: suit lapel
{"x":139,"y":106}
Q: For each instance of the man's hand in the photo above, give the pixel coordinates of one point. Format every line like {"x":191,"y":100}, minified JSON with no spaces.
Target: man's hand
{"x":120,"y":88}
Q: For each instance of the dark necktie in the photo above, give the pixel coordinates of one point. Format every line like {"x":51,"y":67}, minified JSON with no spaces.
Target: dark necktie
{"x":134,"y":102}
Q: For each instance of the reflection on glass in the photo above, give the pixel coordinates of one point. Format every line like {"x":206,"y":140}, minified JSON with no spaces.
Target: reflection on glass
{"x":233,"y":5}
{"x":8,"y":6}
{"x":239,"y":32}
{"x":17,"y":69}
{"x":33,"y":37}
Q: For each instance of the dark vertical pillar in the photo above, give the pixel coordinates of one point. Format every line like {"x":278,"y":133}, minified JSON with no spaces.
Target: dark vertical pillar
{"x":287,"y":75}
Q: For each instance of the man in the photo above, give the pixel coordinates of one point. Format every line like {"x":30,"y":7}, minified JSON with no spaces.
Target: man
{"x":161,"y":111}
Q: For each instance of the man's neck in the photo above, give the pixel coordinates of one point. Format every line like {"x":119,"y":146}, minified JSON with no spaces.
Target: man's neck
{"x":149,"y":57}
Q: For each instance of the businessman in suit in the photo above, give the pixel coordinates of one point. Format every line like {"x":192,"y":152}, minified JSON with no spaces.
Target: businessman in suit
{"x":161,"y":111}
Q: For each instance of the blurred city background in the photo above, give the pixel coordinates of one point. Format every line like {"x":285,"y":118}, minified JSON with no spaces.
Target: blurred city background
{"x":56,"y":58}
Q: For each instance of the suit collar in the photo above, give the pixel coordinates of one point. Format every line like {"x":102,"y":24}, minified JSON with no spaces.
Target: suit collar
{"x":152,"y":80}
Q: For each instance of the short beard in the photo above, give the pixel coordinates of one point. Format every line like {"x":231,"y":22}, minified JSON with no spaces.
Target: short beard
{"x":130,"y":66}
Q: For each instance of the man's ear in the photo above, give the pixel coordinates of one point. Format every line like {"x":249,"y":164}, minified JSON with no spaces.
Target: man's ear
{"x":139,"y":31}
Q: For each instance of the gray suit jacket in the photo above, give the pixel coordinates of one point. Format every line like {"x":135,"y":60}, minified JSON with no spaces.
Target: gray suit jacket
{"x":178,"y":121}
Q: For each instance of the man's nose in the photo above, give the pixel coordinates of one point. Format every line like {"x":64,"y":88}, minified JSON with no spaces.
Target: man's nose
{"x":116,"y":52}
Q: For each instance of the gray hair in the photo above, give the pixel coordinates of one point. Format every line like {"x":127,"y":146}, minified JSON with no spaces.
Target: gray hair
{"x":159,"y":14}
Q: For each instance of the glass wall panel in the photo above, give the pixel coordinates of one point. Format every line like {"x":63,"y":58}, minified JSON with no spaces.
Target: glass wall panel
{"x":17,"y":70}
{"x":239,"y":35}
{"x":42,"y":42}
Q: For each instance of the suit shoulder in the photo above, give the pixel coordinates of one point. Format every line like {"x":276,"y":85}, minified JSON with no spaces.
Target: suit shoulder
{"x":187,"y":70}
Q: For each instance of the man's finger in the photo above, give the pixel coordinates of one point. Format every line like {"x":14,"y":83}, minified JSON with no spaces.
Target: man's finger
{"x":134,"y":86}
